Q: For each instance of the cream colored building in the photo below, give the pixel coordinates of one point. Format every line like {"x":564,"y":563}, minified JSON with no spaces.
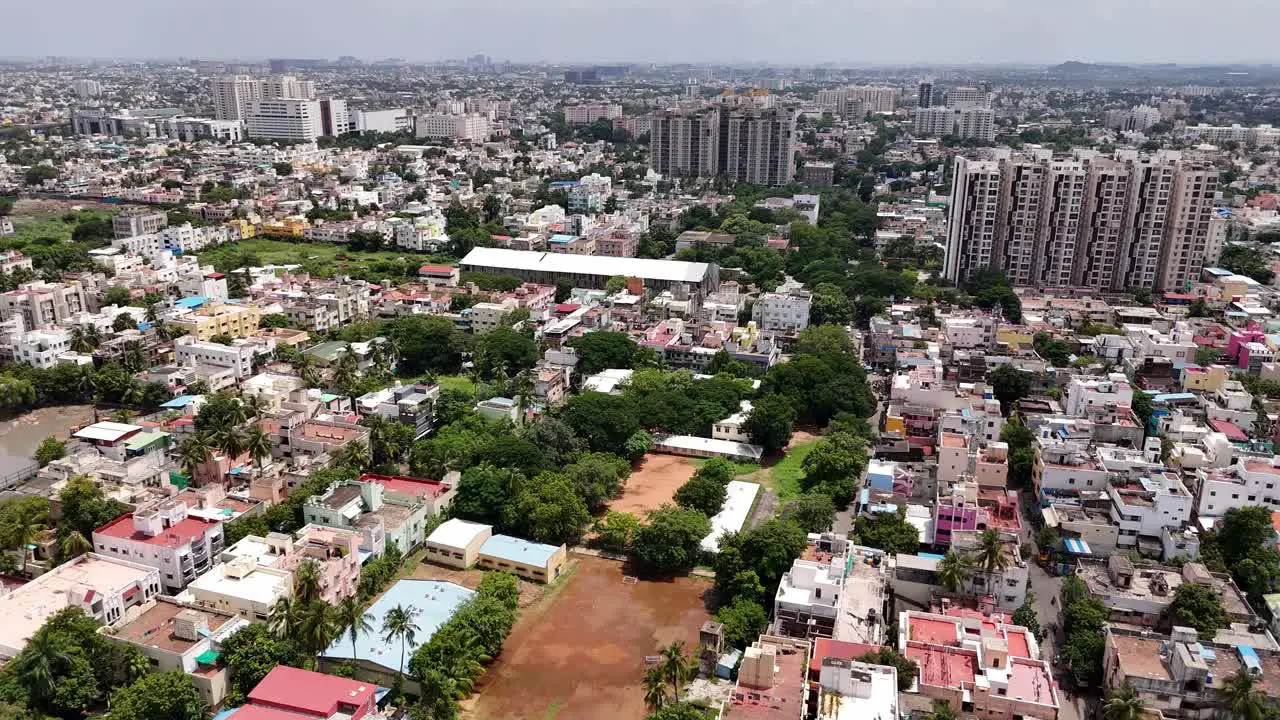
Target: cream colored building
{"x":220,"y":319}
{"x":242,"y":587}
{"x":456,"y":543}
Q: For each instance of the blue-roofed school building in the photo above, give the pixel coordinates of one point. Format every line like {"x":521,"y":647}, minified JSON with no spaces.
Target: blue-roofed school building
{"x":378,"y":661}
{"x":530,"y":560}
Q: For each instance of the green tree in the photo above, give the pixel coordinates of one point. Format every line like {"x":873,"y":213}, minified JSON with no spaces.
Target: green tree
{"x":597,"y":477}
{"x":117,"y":295}
{"x":743,"y":622}
{"x":1123,"y":703}
{"x":834,"y":466}
{"x":503,"y":351}
{"x":171,"y":695}
{"x":769,"y":423}
{"x":941,"y":710}
{"x":428,"y":344}
{"x":547,"y":510}
{"x":598,"y":351}
{"x":952,"y":570}
{"x":990,"y":556}
{"x":1026,"y":615}
{"x":51,"y":448}
{"x":483,"y":491}
{"x":400,"y":623}
{"x":671,"y":539}
{"x":250,"y":653}
{"x":702,"y":494}
{"x":285,"y":617}
{"x":85,"y":507}
{"x":1072,"y":590}
{"x":1009,"y":385}
{"x":907,"y":668}
{"x":655,"y":688}
{"x":605,"y":422}
{"x":812,"y":511}
{"x":677,"y":666}
{"x":889,"y":532}
{"x":1242,"y":697}
{"x":1199,"y":607}
{"x":617,"y":530}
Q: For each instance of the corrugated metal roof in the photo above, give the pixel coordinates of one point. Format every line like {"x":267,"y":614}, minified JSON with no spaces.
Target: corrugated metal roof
{"x":648,"y":269}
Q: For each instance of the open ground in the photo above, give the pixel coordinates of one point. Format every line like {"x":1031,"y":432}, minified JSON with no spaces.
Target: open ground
{"x":529,"y":592}
{"x":579,"y":652}
{"x":654,"y":483}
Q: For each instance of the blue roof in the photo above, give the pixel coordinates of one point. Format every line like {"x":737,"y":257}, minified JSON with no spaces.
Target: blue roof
{"x":1218,"y":271}
{"x":562,"y":239}
{"x":1077,"y":546}
{"x":506,"y":547}
{"x":435,"y":602}
{"x":225,"y":714}
{"x":1250,"y":658}
{"x":191,"y":302}
{"x":180,"y":402}
{"x":931,"y":556}
{"x":1174,"y":397}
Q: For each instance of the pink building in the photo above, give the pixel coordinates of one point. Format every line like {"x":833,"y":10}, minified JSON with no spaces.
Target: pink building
{"x":293,"y":694}
{"x":338,"y":554}
{"x":1238,"y":339}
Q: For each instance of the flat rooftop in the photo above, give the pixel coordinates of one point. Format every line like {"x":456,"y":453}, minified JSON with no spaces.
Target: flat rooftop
{"x":941,"y":666}
{"x":405,"y":485}
{"x":261,"y":585}
{"x":518,"y":550}
{"x":783,"y":701}
{"x":664,"y":270}
{"x":435,"y":603}
{"x":27,"y":607}
{"x":154,"y":627}
{"x":457,"y":533}
{"x":184,"y":531}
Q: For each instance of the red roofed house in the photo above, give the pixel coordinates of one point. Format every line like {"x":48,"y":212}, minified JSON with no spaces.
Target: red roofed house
{"x":306,"y":694}
{"x":439,"y":275}
{"x":165,"y":538}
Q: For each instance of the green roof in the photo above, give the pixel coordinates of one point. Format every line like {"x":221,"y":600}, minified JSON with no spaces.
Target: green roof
{"x":328,"y":351}
{"x":208,"y":657}
{"x":145,"y":439}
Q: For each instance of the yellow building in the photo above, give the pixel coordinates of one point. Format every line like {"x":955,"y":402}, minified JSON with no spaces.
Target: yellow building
{"x":246,"y":228}
{"x":220,"y":319}
{"x":1204,"y":379}
{"x":1015,"y":337}
{"x":293,"y":226}
{"x":530,"y":560}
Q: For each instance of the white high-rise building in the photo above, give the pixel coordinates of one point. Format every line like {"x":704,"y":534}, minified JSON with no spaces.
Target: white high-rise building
{"x":232,"y":95}
{"x":588,"y":113}
{"x":285,"y":119}
{"x":968,"y":97}
{"x":967,"y":122}
{"x":288,"y":87}
{"x":864,"y":98}
{"x":472,"y":128}
{"x":738,"y":140}
{"x":1087,"y":221}
{"x":87,"y":89}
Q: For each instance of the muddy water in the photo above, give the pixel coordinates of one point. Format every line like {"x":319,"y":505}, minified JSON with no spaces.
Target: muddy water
{"x":20,"y":436}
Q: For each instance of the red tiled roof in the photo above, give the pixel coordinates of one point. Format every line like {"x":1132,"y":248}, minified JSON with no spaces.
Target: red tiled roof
{"x":309,"y":692}
{"x":445,"y":269}
{"x":827,"y":648}
{"x":185,"y":531}
{"x":405,"y":485}
{"x":566,"y":307}
{"x":1229,"y":429}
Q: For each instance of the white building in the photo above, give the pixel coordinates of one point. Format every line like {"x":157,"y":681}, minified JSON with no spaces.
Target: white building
{"x":165,"y":538}
{"x":473,"y":128}
{"x":488,"y":316}
{"x":239,"y":358}
{"x":731,"y":428}
{"x":1250,"y":482}
{"x":967,"y":122}
{"x":1149,"y":506}
{"x":242,"y":587}
{"x":397,"y":120}
{"x":588,"y":113}
{"x":232,"y":95}
{"x":40,"y":348}
{"x":103,"y":587}
{"x":786,"y":312}
{"x":284,"y":119}
{"x":1086,"y":392}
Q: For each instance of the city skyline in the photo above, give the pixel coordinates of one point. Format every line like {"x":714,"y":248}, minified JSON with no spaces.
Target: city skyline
{"x":560,"y":31}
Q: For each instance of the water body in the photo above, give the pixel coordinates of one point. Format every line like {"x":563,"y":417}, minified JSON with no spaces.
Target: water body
{"x":20,"y":436}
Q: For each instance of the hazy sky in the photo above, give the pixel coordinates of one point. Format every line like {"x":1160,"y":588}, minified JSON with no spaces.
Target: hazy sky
{"x":779,"y":32}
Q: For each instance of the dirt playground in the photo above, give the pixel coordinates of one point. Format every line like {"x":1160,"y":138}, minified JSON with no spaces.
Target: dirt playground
{"x":579,"y":653}
{"x":653,"y":483}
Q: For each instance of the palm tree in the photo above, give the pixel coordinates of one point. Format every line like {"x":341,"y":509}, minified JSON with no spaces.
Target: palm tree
{"x":41,"y":664}
{"x":990,"y":555}
{"x":655,"y":688}
{"x":257,"y":444}
{"x":399,"y":623}
{"x":283,"y":619}
{"x":134,"y":359}
{"x":133,"y":395}
{"x":1243,"y":699}
{"x":316,"y":627}
{"x":306,"y":581}
{"x":354,"y":454}
{"x":193,"y":452}
{"x":74,"y":544}
{"x":1123,"y":703}
{"x":951,"y":570}
{"x":523,"y":386}
{"x":346,"y":370}
{"x":24,"y":533}
{"x":440,"y":694}
{"x":152,"y":314}
{"x":941,"y":710}
{"x":232,"y":441}
{"x":254,"y":404}
{"x":85,"y":339}
{"x":352,"y":616}
{"x":677,"y":668}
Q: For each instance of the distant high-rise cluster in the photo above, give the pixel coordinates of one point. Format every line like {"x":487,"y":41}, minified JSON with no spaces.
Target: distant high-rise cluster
{"x":87,"y":89}
{"x":1088,"y":221}
{"x":858,"y":100}
{"x":281,"y":107}
{"x":737,"y":140}
{"x":966,"y":113}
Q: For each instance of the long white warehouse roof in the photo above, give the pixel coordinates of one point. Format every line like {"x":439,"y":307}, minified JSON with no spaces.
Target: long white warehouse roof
{"x":645,"y":268}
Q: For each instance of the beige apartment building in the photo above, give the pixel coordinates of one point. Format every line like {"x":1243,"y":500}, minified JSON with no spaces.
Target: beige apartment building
{"x":220,"y":319}
{"x":1085,"y":221}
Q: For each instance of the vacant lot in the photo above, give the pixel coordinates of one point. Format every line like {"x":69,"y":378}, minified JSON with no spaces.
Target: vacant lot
{"x":653,"y":484}
{"x":579,"y":653}
{"x":529,"y":592}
